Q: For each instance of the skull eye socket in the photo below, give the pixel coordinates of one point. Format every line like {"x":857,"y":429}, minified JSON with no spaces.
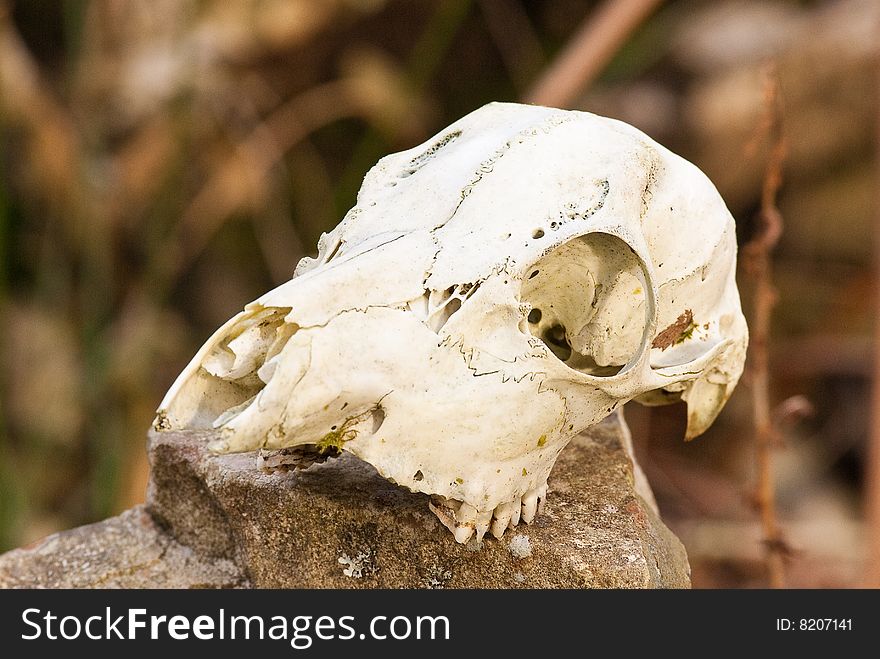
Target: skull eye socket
{"x":588,"y":303}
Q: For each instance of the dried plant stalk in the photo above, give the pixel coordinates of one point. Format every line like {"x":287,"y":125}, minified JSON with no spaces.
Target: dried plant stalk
{"x":758,"y":264}
{"x":589,"y":51}
{"x":872,"y":468}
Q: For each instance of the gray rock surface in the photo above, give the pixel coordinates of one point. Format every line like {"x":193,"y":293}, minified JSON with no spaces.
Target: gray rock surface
{"x":128,"y":551}
{"x":219,"y":521}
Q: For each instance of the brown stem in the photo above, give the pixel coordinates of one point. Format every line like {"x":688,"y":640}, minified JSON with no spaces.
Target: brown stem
{"x":872,"y":468}
{"x":589,"y":51}
{"x":758,"y":263}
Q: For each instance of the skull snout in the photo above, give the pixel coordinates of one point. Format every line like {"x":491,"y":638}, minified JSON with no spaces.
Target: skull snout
{"x":266,"y":382}
{"x":326,"y":387}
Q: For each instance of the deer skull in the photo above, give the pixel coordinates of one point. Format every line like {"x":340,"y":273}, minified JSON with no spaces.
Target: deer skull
{"x":494,"y":292}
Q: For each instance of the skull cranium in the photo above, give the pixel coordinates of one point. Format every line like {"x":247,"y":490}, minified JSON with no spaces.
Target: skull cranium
{"x":493,"y":293}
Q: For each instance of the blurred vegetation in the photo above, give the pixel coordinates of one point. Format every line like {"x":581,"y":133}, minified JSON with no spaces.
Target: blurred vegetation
{"x":164,"y":162}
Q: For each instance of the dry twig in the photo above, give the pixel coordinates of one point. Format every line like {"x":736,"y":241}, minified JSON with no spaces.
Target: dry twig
{"x":758,"y":264}
{"x":872,"y":469}
{"x":589,"y":51}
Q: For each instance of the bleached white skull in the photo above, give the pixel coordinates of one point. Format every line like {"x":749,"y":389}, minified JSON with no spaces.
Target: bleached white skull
{"x":493,"y":293}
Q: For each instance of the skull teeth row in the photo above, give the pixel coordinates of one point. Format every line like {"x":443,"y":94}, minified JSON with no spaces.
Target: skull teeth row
{"x":464,"y":520}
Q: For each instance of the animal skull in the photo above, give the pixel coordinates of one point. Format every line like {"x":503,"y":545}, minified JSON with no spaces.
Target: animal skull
{"x":494,"y":292}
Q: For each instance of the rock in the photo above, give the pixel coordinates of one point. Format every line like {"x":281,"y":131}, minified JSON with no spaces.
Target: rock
{"x":128,"y":551}
{"x":221,"y":521}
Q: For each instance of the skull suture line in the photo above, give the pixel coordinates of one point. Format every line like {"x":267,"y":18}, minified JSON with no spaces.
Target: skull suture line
{"x":493,"y":293}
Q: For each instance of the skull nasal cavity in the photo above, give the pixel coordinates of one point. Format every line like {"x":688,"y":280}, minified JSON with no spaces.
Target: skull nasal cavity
{"x":435,"y":308}
{"x":587,"y":300}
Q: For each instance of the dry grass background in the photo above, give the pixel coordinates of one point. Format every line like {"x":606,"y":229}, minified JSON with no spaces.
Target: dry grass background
{"x":162,"y":162}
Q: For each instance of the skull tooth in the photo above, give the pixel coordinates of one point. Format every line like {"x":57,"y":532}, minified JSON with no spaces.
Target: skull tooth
{"x":452,"y":504}
{"x":502,"y":518}
{"x":483,"y":521}
{"x":529,"y":506}
{"x":460,"y":518}
{"x":515,"y":512}
{"x":542,"y":497}
{"x":445,"y":510}
{"x":463,"y":534}
{"x":465,"y":522}
{"x":466,"y":514}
